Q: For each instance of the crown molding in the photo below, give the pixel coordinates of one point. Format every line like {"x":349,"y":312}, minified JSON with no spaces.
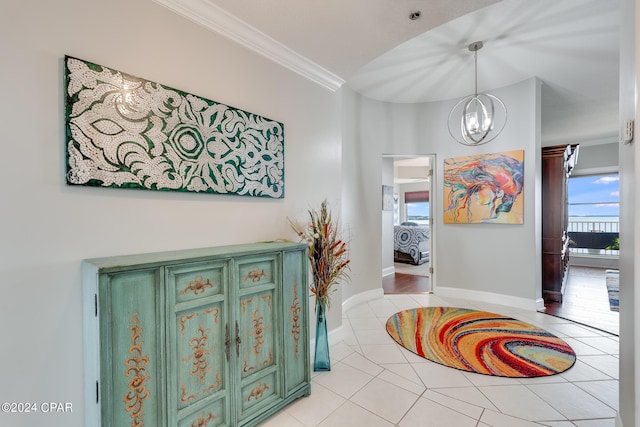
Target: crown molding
{"x":216,"y":19}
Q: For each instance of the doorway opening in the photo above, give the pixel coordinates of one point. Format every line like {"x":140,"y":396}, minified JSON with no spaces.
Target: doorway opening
{"x":592,"y":287}
{"x":407,"y":248}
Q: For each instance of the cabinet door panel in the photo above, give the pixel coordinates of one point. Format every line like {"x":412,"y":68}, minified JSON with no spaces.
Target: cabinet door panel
{"x":257,"y":332}
{"x":201,"y":362}
{"x":258,"y":356}
{"x":296,"y":301}
{"x":129,"y":340}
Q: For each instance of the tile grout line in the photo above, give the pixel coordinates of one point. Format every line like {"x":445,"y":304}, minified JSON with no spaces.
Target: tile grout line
{"x":357,"y":348}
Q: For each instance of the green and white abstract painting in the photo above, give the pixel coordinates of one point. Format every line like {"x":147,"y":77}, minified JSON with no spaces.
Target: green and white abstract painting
{"x":127,"y":132}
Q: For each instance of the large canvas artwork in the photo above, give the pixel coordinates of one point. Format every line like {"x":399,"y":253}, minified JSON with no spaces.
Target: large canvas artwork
{"x":486,"y":188}
{"x":127,"y":132}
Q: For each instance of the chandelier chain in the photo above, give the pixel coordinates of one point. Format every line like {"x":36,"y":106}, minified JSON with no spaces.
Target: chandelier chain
{"x":475,"y":62}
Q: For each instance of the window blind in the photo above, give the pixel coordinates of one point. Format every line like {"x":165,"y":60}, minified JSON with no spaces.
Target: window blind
{"x":416,"y":196}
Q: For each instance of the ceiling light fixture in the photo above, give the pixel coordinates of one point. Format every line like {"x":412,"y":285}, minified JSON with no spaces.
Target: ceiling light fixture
{"x":478,"y":118}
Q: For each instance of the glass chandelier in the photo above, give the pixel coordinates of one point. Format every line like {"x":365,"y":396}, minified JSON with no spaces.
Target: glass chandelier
{"x":478,"y":118}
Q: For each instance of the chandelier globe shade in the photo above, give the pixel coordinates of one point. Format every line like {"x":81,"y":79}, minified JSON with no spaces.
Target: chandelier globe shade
{"x":478,"y":118}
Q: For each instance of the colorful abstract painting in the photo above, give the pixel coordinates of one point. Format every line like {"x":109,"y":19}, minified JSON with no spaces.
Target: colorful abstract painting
{"x":486,"y":188}
{"x":127,"y":132}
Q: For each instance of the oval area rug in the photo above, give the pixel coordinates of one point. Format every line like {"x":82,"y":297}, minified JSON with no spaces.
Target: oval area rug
{"x":480,"y":342}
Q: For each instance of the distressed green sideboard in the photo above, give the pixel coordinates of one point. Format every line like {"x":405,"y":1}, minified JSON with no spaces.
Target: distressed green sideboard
{"x":204,"y":337}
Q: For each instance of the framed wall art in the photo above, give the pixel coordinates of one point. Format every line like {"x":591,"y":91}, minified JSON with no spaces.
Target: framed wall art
{"x":485,"y":188}
{"x":387,"y":197}
{"x":127,"y":132}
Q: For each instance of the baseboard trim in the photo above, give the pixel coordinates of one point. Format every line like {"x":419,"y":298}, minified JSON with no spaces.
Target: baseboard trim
{"x":388,"y":271}
{"x":489,"y":297}
{"x":362,"y":297}
{"x":334,"y":336}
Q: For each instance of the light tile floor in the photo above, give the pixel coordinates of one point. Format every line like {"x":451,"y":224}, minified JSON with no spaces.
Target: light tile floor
{"x":375,"y":382}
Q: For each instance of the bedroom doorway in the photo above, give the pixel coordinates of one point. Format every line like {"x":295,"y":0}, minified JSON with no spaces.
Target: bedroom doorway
{"x":406,"y":228}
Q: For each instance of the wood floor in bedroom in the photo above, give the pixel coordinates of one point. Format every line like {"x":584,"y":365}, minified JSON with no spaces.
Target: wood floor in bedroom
{"x":403,"y":283}
{"x":585,"y":300}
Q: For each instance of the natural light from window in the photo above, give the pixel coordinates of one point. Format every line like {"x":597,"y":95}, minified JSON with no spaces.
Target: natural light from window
{"x":594,"y":198}
{"x":418,"y":213}
{"x":594,"y":214}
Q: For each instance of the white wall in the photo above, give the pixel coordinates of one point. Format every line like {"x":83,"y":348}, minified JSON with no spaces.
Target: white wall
{"x":493,"y":258}
{"x":629,"y":158}
{"x":594,"y":158}
{"x":361,"y":195}
{"x":47,"y":227}
{"x":579,"y":121}
{"x":387,"y":219}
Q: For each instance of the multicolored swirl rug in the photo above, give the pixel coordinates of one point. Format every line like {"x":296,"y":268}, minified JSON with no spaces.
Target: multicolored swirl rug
{"x":480,"y":342}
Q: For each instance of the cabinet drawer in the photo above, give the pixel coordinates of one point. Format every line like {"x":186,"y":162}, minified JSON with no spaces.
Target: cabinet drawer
{"x":213,"y":415}
{"x":198,"y":280}
{"x":259,"y":393}
{"x":254,"y":272}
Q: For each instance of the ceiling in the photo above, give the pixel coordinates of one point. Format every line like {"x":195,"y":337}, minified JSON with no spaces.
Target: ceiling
{"x":344,"y":35}
{"x":572,"y":45}
{"x":373,"y":46}
{"x":410,"y":169}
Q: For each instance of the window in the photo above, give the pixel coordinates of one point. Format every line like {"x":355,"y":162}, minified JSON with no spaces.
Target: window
{"x":595,"y":197}
{"x":417,"y":207}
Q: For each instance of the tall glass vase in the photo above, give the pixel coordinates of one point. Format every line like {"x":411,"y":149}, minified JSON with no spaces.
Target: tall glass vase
{"x":321,"y":361}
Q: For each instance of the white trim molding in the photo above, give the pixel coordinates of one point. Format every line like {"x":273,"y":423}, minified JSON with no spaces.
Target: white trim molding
{"x":388,"y":271}
{"x":361,"y":298}
{"x":217,"y":19}
{"x":338,"y":334}
{"x":334,"y":336}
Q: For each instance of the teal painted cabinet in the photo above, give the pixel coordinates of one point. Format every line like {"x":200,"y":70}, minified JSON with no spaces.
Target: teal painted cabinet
{"x":204,"y":337}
